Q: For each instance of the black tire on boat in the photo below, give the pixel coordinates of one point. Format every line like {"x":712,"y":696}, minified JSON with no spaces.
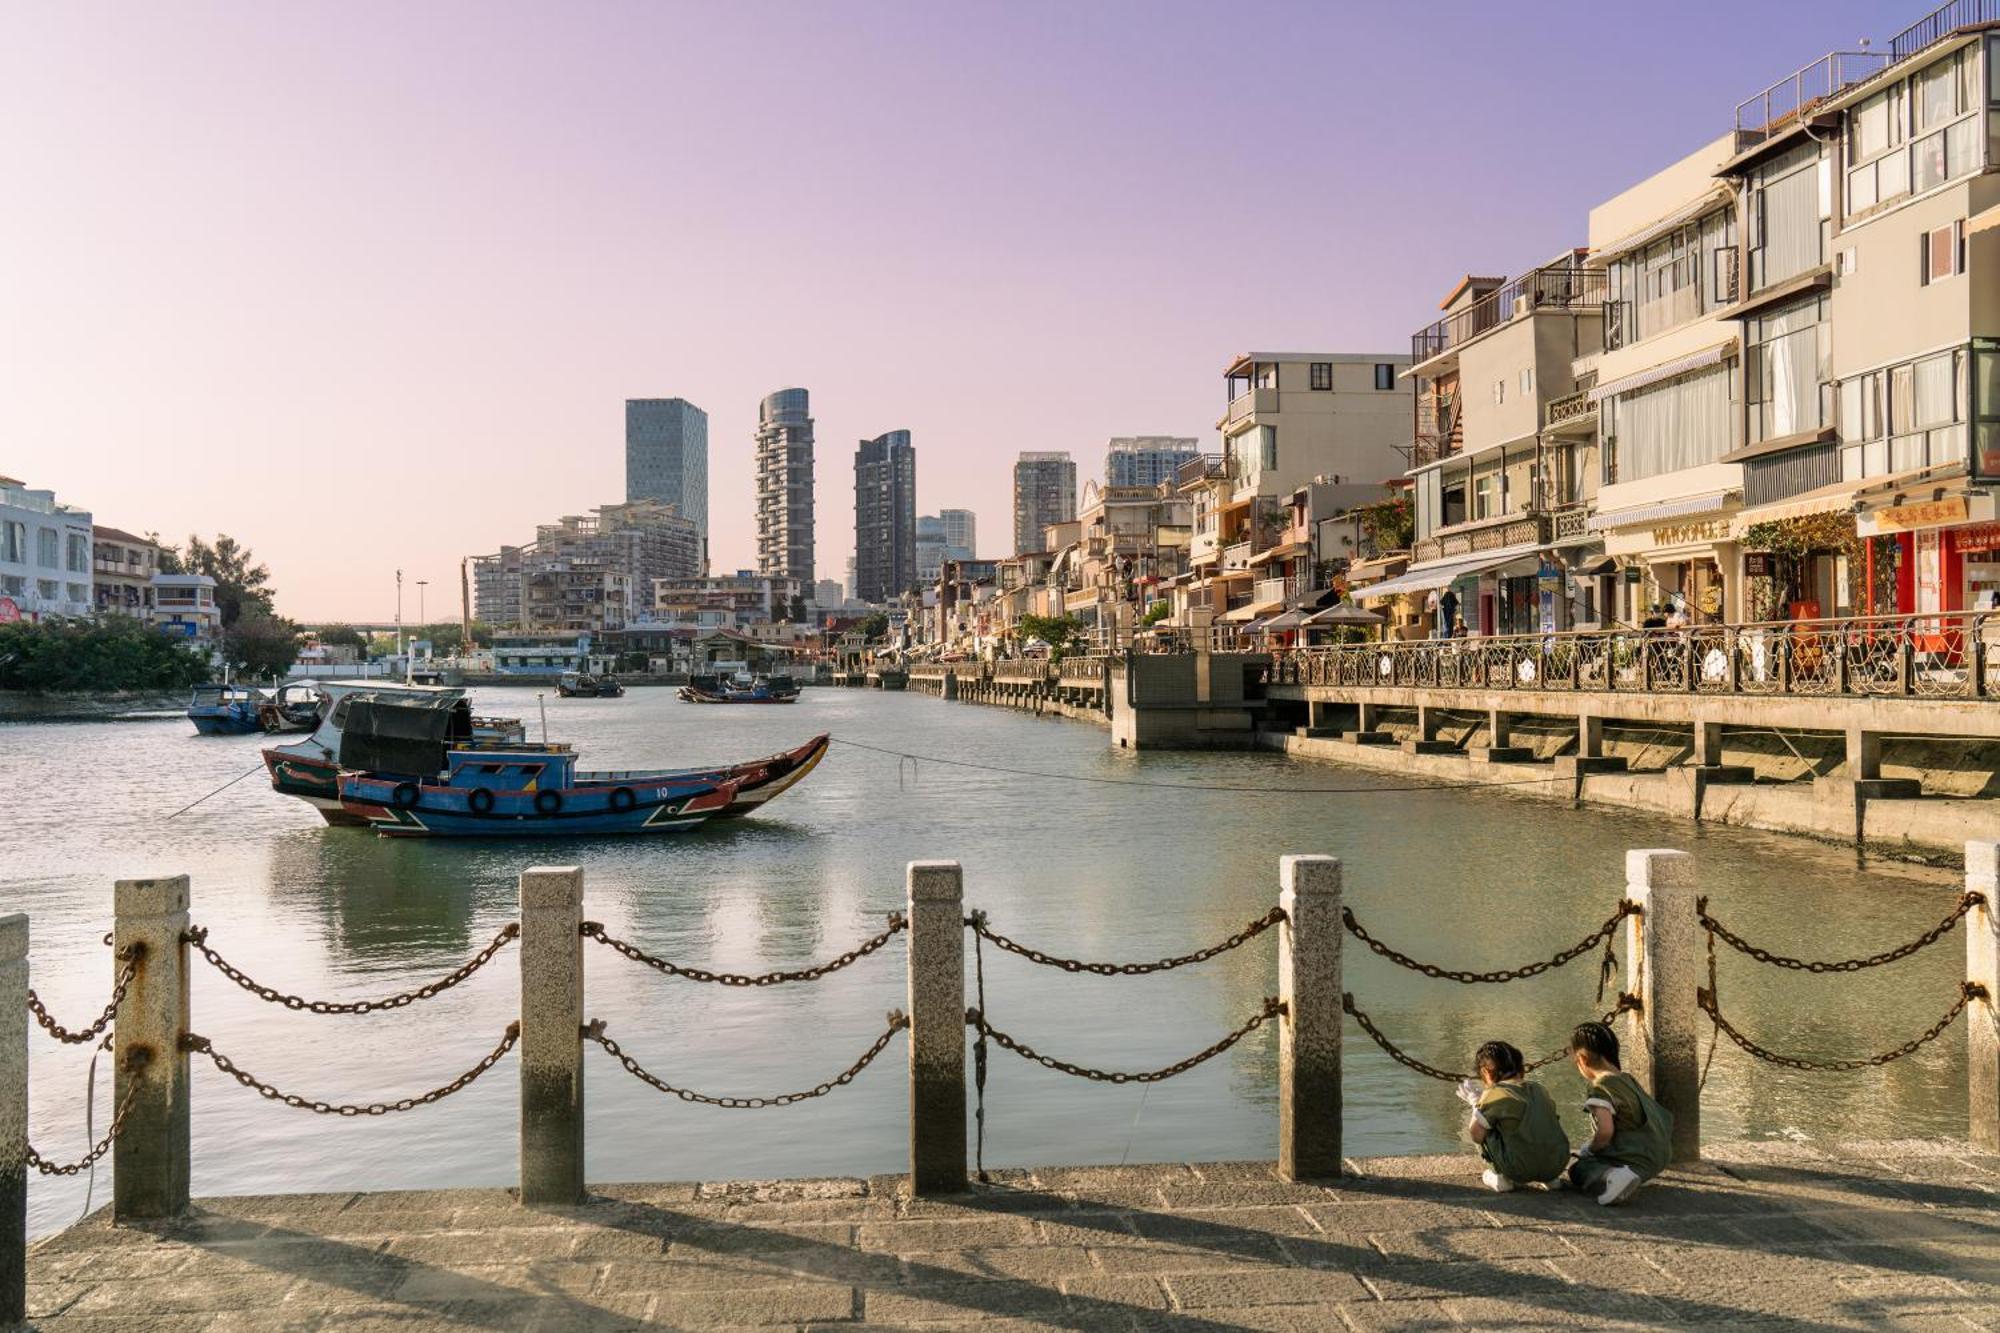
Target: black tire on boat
{"x":405,"y":796}
{"x":623,"y":799}
{"x":548,"y":802}
{"x":480,"y":801}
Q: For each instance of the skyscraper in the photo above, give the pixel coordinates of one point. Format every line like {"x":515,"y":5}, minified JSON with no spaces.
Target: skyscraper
{"x":666,"y":456}
{"x":1044,"y":493}
{"x":945,"y":535}
{"x":885,"y":517}
{"x":785,"y":486}
{"x":961,"y":533}
{"x":1147,"y":460}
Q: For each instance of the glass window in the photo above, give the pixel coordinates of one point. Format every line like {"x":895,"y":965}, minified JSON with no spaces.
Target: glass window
{"x":1933,"y":388}
{"x":1322,"y":374}
{"x":1868,"y":129}
{"x":1902,"y":399}
{"x":1961,"y":149}
{"x":48,"y":548}
{"x":1861,"y":183}
{"x":1930,"y":162}
{"x":1892,"y":177}
{"x":14,"y":542}
{"x":79,"y":552}
{"x":1937,"y":93}
{"x":1385,"y":375}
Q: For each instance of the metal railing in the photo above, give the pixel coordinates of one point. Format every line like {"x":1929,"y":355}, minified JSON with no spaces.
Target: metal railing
{"x":1563,"y":286}
{"x":1202,"y":467}
{"x":1939,"y":24}
{"x":1491,"y":534}
{"x":1761,"y":114}
{"x":1955,"y":655}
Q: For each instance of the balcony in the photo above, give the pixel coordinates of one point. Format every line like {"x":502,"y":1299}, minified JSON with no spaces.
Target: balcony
{"x":1237,"y":556}
{"x":1481,"y":535}
{"x":1265,"y":591}
{"x":1555,"y":286}
{"x":1201,"y":468}
{"x":1573,"y":410}
{"x":1254,"y":402}
{"x":1792,"y":98}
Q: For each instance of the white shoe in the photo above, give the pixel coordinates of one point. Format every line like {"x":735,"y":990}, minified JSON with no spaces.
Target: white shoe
{"x":1496,"y":1182}
{"x":1620,"y":1184}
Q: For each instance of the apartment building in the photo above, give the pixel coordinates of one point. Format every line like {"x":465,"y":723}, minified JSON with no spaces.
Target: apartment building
{"x":587,"y":571}
{"x":785,"y":525}
{"x":1126,"y":545}
{"x":747,"y":597}
{"x":122,"y":568}
{"x":885,"y":517}
{"x":1044,"y":494}
{"x":1147,"y":460}
{"x":45,"y":555}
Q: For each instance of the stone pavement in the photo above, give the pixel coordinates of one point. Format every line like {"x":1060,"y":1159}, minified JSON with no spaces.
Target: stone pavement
{"x":1866,"y":1235}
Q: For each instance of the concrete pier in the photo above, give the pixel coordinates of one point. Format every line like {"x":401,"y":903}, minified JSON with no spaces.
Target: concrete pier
{"x":1309,"y":985}
{"x":1664,"y":953}
{"x":151,"y":1157}
{"x":1766,"y":1234}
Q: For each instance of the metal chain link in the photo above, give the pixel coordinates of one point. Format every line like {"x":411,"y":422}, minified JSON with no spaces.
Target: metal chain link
{"x":1273,"y":1006}
{"x":195,"y":1042}
{"x":102,"y":1146}
{"x":1250,"y":932}
{"x":1966,"y":903}
{"x":1602,"y":935}
{"x":1968,"y":991}
{"x":132,"y":955}
{"x":1625,"y":1002}
{"x":897,"y":924}
{"x":595,"y":1032}
{"x":198,"y":937}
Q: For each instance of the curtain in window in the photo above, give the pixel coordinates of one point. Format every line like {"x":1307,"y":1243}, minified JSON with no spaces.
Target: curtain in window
{"x":1790,"y":218}
{"x":1934,"y":386}
{"x":1681,"y":424}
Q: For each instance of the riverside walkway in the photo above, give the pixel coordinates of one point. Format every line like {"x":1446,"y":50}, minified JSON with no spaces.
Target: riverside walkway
{"x":1770,"y":1235}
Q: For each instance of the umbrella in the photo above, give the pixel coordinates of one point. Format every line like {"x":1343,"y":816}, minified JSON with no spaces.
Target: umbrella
{"x":1344,"y":613}
{"x":1286,"y":620}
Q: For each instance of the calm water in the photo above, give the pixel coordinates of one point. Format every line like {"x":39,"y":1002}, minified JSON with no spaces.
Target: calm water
{"x":1465,"y":878}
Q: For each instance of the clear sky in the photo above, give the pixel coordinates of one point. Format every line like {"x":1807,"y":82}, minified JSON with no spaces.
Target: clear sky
{"x":366,"y":285}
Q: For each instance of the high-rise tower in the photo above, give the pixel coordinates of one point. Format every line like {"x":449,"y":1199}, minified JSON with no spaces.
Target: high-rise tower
{"x":666,"y":456}
{"x":785,"y":486}
{"x":885,"y":517}
{"x":1044,"y":493}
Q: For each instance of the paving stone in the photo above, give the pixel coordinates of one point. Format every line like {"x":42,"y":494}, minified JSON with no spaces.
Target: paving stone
{"x":1582,"y":1309}
{"x":1452,"y":1243}
{"x":1105,"y":1289}
{"x":1197,"y":1291}
{"x":719,"y":1238}
{"x":475,"y":1282}
{"x":1085,"y":1228}
{"x":755,"y":1306}
{"x":960,"y":1301}
{"x":1222,"y":1225}
{"x":964,"y":1233}
{"x":1365,"y":1316}
{"x":1157,"y":1258}
{"x":1507,"y":1277}
{"x":1040,"y":1262}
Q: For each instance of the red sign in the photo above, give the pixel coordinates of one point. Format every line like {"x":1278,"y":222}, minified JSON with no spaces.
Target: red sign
{"x":1978,"y":537}
{"x":9,"y":613}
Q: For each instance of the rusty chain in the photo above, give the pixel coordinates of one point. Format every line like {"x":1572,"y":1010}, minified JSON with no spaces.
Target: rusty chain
{"x":198,"y":937}
{"x":132,"y":954}
{"x":1250,"y":932}
{"x":1968,"y":991}
{"x":1602,"y":935}
{"x":1715,"y":928}
{"x":195,"y":1042}
{"x":1272,"y":1007}
{"x":595,"y":1032}
{"x":1625,"y":1002}
{"x":138,"y":1060}
{"x":897,"y":924}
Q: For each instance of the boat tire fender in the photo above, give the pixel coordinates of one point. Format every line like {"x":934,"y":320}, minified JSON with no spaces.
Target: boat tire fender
{"x":405,"y":796}
{"x":623,"y":799}
{"x":480,"y":801}
{"x":548,"y":801}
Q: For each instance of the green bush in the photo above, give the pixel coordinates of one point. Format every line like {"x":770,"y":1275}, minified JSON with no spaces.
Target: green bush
{"x":110,"y":654}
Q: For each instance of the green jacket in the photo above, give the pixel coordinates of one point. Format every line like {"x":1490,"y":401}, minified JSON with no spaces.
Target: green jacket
{"x":1524,"y":1135}
{"x":1642,"y":1130}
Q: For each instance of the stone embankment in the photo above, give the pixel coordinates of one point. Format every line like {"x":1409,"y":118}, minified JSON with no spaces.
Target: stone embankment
{"x":107,"y":706}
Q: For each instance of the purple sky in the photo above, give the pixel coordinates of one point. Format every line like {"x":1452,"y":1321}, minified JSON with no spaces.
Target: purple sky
{"x":366,"y":285}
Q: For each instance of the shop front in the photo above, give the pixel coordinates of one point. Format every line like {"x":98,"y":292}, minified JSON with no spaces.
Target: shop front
{"x":1940,"y":551}
{"x":1676,"y":572}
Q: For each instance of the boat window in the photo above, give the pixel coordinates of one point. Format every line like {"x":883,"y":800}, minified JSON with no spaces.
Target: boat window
{"x":340,"y":710}
{"x":493,"y":768}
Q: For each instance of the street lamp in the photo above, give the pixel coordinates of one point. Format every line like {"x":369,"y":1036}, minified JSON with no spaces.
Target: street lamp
{"x":423,"y":624}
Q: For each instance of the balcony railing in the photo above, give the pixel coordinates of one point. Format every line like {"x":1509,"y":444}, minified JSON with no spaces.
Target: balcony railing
{"x":1560,"y":286}
{"x":1575,"y":407}
{"x":1955,"y":655}
{"x":1269,"y":590}
{"x":1202,"y":467}
{"x":1941,"y":23}
{"x":1481,"y":535}
{"x":1237,"y":556}
{"x":1785,"y":102}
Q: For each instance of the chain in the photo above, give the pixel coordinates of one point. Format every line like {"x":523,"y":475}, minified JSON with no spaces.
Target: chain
{"x":897,"y":924}
{"x":897,"y":1022}
{"x":1602,"y":935}
{"x":137,"y":1061}
{"x":198,"y":937}
{"x":131,"y":954}
{"x":1968,"y":991}
{"x":1625,"y":1003}
{"x":1250,"y":932}
{"x":1273,"y":1006}
{"x":194,"y":1042}
{"x":1966,"y":903}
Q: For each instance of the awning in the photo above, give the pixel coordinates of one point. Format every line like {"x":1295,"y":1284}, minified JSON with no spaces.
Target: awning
{"x":1935,"y":475}
{"x":1285,"y":620}
{"x":1604,"y":564}
{"x":1443,"y":572}
{"x":1242,"y":615}
{"x":1680,"y":217}
{"x":1368,"y":569}
{"x":1825,"y":500}
{"x":1666,"y":370}
{"x":1640,"y":516}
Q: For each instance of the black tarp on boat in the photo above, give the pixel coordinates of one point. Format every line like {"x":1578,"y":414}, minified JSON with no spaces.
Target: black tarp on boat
{"x":401,"y":733}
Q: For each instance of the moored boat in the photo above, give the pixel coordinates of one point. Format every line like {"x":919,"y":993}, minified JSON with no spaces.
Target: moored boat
{"x":294,"y":706}
{"x":580,"y":685}
{"x":753,"y":690}
{"x":224,"y":710}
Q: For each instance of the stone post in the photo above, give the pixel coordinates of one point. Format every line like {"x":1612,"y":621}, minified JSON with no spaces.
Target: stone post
{"x":1982,"y":1017}
{"x":149,"y":1162}
{"x":1864,"y":754}
{"x":937,"y":1027}
{"x":14,"y":1120}
{"x":1589,"y":736}
{"x":551,"y":1036}
{"x":1499,"y":729}
{"x":1309,"y":1111}
{"x":1428,"y":720}
{"x":1707,"y":744}
{"x":1665,"y":966}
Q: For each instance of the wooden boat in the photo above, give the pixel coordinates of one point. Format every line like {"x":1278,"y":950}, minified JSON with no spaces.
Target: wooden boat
{"x":578,"y":685}
{"x":224,"y":710}
{"x":292,"y":707}
{"x":757,"y":690}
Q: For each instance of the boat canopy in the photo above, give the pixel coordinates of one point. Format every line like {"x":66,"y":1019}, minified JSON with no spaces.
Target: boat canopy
{"x":402,"y":733}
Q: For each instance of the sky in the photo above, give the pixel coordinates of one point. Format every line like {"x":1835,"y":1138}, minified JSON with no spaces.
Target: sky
{"x":365,"y":285}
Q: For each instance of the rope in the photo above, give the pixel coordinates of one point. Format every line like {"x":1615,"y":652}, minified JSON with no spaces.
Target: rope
{"x":257,"y":768}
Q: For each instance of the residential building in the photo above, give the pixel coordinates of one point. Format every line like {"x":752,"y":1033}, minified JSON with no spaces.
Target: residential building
{"x":785,"y":486}
{"x":122,"y":569}
{"x":885,"y":517}
{"x":587,"y":572}
{"x":666,"y":458}
{"x":737,"y":600}
{"x":945,"y":535}
{"x":184,"y":607}
{"x":45,"y":555}
{"x":848,"y":595}
{"x":1128,"y":542}
{"x":1044,"y":494}
{"x":961,"y":532}
{"x":1146,"y":460}
{"x":828,"y":593}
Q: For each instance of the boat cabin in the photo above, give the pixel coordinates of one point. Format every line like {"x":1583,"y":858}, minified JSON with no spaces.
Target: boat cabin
{"x":523,"y":770}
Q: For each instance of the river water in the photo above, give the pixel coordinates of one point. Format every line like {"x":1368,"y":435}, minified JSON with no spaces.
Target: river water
{"x":1465,"y":878}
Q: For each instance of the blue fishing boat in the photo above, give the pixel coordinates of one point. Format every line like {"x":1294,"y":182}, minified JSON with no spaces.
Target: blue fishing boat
{"x":225,"y":710}
{"x":740,"y":690}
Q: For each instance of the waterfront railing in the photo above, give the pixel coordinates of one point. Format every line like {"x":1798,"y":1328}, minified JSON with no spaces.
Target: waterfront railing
{"x":1671,"y":989}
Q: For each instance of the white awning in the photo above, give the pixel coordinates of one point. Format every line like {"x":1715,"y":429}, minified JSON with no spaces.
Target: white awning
{"x":1680,"y":217}
{"x":1825,"y":500}
{"x":1640,"y":516}
{"x":1666,"y":370}
{"x":1441,"y":572}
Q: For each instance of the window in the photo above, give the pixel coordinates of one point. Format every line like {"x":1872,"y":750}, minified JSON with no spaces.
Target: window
{"x":1941,"y":253}
{"x":49,"y":589}
{"x":13,"y":585}
{"x":1322,"y":374}
{"x":1786,"y":369}
{"x":1904,"y":417}
{"x":1785,"y":229}
{"x":48,"y":548}
{"x":1270,"y":452}
{"x":1528,"y":381}
{"x":1499,"y":391}
{"x":1939,"y":109}
{"x":79,"y":553}
{"x":1385,"y":375}
{"x":14,"y":542}
{"x":1668,"y":427}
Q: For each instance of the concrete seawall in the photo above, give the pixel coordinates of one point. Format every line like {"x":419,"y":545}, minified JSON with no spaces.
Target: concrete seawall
{"x":107,"y":706}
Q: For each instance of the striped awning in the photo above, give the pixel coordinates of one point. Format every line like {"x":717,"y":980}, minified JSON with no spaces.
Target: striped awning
{"x":1680,"y":217}
{"x":1442,"y":572}
{"x":1825,"y":500}
{"x":1666,"y":370}
{"x":1640,"y":516}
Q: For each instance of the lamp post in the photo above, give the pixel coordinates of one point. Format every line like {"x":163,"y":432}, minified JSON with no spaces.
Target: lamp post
{"x":399,"y":613}
{"x":423,"y":623}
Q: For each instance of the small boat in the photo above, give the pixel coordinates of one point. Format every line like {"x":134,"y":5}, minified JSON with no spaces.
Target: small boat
{"x":579,"y":685}
{"x":224,"y":710}
{"x":740,"y":690}
{"x":609,"y":688}
{"x":292,"y":707}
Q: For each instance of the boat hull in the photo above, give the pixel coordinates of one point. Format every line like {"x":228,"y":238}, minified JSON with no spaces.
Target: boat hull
{"x":224,"y":722}
{"x":402,"y":809}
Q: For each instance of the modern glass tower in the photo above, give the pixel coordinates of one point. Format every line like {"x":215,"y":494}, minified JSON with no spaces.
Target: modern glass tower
{"x":885,"y":517}
{"x":785,"y":486}
{"x":666,"y":456}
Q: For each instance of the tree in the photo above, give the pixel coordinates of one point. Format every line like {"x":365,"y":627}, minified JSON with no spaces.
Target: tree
{"x":343,"y":636}
{"x":261,"y":644}
{"x":1056,"y":631}
{"x":240,"y":584}
{"x":798,"y":610}
{"x":115,"y":653}
{"x":875,"y":625}
{"x":1157,"y":612}
{"x":1389,"y":525}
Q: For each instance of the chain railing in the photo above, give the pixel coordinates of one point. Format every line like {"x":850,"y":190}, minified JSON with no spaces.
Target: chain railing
{"x":197,"y":938}
{"x":976,"y":1020}
{"x":196,"y":1043}
{"x":1717,"y":930}
{"x":1968,"y":991}
{"x":1602,"y":935}
{"x":898,"y":923}
{"x":138,"y":1059}
{"x":594,"y":1032}
{"x":131,"y":957}
{"x":977,"y":922}
{"x":1627,"y":1003}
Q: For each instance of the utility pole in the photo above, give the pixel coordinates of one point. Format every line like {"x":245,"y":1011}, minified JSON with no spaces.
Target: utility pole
{"x":423,"y":621}
{"x":399,"y":613}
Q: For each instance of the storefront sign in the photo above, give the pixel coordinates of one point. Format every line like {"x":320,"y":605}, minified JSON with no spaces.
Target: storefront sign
{"x":1930,"y":514}
{"x":1689,"y":534}
{"x":1983,"y":537}
{"x":1633,"y":574}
